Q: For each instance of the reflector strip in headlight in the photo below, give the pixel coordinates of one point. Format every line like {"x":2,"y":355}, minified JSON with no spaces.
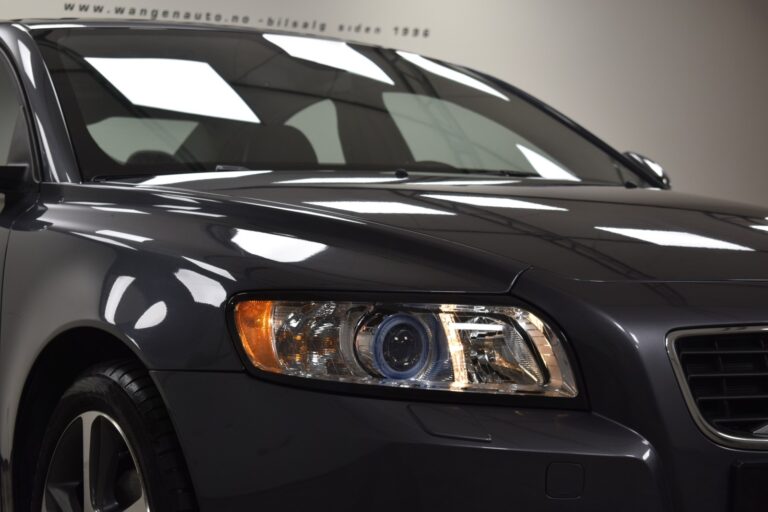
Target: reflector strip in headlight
{"x":491,"y":349}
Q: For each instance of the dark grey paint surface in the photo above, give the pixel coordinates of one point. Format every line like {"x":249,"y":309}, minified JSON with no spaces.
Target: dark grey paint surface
{"x":154,"y":265}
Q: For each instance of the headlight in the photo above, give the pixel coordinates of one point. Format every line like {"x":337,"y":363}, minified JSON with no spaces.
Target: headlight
{"x":489,"y":349}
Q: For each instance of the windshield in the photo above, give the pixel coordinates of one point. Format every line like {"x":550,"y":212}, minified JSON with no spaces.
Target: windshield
{"x":148,"y":102}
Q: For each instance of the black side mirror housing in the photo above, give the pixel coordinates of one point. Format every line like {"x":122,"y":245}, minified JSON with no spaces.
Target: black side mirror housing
{"x":15,"y":178}
{"x":650,"y":166}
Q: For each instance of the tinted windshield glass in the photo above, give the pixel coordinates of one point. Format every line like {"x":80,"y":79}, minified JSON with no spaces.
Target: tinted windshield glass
{"x":162,"y":101}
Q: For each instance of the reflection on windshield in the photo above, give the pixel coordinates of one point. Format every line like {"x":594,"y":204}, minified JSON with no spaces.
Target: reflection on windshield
{"x":335,"y":54}
{"x":119,"y":136}
{"x":185,"y":86}
{"x":546,"y":167}
{"x":450,"y":74}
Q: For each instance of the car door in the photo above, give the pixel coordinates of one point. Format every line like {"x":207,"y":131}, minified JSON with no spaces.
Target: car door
{"x":15,"y":148}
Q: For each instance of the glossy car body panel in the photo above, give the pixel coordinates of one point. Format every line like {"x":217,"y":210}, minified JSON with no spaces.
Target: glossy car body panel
{"x":154,"y":264}
{"x":302,"y":467}
{"x":556,"y":228}
{"x":622,"y":326}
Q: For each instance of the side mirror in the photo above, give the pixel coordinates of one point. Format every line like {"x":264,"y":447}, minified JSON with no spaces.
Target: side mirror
{"x":15,"y":178}
{"x":649,"y":165}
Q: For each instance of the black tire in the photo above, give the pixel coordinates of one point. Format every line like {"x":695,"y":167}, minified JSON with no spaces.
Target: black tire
{"x":124,"y":392}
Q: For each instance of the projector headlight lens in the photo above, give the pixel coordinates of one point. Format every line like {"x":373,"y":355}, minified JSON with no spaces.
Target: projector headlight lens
{"x":487,"y":349}
{"x":398,"y":346}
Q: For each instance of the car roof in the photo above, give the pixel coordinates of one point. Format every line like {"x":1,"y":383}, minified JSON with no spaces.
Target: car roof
{"x":35,"y":23}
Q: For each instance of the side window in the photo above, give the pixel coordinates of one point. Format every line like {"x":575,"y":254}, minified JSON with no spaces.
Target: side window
{"x":14,"y":135}
{"x":320,"y":125}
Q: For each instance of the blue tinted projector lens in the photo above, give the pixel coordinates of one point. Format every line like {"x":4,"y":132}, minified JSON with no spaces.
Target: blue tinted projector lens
{"x":401,"y":347}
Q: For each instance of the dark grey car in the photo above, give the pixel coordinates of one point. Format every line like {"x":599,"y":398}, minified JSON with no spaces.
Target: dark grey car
{"x":247,"y":270}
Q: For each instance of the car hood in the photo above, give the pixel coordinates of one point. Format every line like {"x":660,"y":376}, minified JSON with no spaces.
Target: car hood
{"x":584,"y":232}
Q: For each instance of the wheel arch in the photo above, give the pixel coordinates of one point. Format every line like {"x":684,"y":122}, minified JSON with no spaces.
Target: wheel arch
{"x":67,"y":355}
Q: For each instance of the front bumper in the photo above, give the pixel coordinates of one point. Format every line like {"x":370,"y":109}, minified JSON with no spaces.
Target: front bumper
{"x":252,"y":445}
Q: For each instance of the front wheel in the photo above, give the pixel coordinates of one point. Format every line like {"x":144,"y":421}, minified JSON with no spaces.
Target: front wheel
{"x":110,"y":447}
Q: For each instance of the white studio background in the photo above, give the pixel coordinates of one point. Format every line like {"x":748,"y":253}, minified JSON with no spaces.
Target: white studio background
{"x":683,"y":81}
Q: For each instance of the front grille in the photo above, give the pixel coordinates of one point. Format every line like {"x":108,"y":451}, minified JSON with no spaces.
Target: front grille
{"x":724,"y":373}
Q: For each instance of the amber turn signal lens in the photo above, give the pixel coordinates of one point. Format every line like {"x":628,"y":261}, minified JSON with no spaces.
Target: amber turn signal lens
{"x":253,"y":319}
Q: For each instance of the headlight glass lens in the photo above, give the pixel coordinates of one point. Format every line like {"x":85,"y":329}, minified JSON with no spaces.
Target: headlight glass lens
{"x":490,"y":349}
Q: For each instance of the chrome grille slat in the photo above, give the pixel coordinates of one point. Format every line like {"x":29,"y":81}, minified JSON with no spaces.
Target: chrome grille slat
{"x":761,"y":419}
{"x":743,"y":351}
{"x":732,"y":397}
{"x":729,"y":375}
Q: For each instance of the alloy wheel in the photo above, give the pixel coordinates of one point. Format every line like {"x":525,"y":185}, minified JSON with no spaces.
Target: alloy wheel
{"x":93,"y":469}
